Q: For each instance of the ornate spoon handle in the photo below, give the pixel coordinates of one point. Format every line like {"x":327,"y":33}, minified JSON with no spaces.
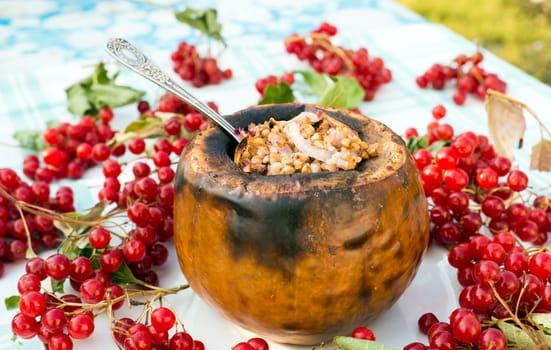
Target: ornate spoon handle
{"x":131,"y":57}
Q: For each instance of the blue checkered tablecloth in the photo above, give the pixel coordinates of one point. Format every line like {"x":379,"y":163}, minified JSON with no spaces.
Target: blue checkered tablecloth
{"x":46,"y":45}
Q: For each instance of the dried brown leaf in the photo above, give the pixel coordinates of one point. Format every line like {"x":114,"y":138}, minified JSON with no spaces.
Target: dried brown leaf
{"x":506,"y":124}
{"x":540,"y":158}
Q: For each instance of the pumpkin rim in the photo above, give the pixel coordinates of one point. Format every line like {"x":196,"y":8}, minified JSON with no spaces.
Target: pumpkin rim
{"x":221,"y":166}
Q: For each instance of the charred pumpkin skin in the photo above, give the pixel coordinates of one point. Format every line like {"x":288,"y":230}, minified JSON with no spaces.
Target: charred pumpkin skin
{"x":299,"y":258}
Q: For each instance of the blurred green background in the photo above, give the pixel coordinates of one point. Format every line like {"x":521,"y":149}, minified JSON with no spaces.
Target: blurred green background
{"x":519,"y":31}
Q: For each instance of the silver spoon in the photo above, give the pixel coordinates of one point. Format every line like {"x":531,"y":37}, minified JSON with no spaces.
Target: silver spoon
{"x":131,"y":57}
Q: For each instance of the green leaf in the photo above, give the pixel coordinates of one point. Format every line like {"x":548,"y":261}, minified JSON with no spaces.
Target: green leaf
{"x":143,"y":124}
{"x":57,"y":285}
{"x":345,"y":92}
{"x":415,"y":143}
{"x":99,"y":90}
{"x":333,"y":91}
{"x":204,"y":20}
{"x":144,"y":127}
{"x":113,"y":95}
{"x":31,"y":139}
{"x":353,"y":91}
{"x":435,"y":146}
{"x":77,"y":100}
{"x":124,"y":276}
{"x":316,"y":82}
{"x":100,"y":75}
{"x":72,"y":251}
{"x":92,"y":214}
{"x":516,"y":335}
{"x":543,"y":320}
{"x":12,"y":302}
{"x":73,"y":245}
{"x":280,"y":93}
{"x":349,"y":343}
{"x":88,"y":252}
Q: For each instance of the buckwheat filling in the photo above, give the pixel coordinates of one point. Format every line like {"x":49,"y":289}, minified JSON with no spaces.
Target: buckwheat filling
{"x":308,"y":143}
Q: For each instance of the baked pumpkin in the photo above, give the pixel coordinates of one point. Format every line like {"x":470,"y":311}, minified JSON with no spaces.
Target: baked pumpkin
{"x":299,"y":258}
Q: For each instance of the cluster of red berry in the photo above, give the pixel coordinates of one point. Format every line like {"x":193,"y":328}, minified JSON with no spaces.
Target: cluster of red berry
{"x":468,"y":75}
{"x":193,"y":121}
{"x":201,"y":71}
{"x":149,"y":197}
{"x":325,"y":57}
{"x":468,"y":170}
{"x":501,"y":281}
{"x":148,"y":201}
{"x":472,"y":189}
{"x":59,"y":318}
{"x":71,"y":148}
{"x":64,"y":319}
{"x":14,"y":224}
{"x":130,"y":334}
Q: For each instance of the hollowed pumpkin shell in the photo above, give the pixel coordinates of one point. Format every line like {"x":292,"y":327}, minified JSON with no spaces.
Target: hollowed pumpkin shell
{"x":299,"y":258}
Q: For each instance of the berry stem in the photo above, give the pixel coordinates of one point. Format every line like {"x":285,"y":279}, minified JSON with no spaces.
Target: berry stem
{"x":111,"y":318}
{"x":103,"y":305}
{"x":160,"y":289}
{"x":477,"y":76}
{"x":47,"y":213}
{"x":514,"y":317}
{"x":29,"y":254}
{"x":322,"y":40}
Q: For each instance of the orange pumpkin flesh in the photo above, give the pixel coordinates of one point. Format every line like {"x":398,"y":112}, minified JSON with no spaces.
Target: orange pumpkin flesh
{"x":299,"y":258}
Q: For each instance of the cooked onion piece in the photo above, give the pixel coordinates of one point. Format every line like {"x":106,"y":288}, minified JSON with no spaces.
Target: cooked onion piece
{"x":308,"y":143}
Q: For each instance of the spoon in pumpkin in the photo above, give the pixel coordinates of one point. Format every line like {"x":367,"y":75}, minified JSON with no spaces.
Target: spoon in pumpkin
{"x":131,"y":57}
